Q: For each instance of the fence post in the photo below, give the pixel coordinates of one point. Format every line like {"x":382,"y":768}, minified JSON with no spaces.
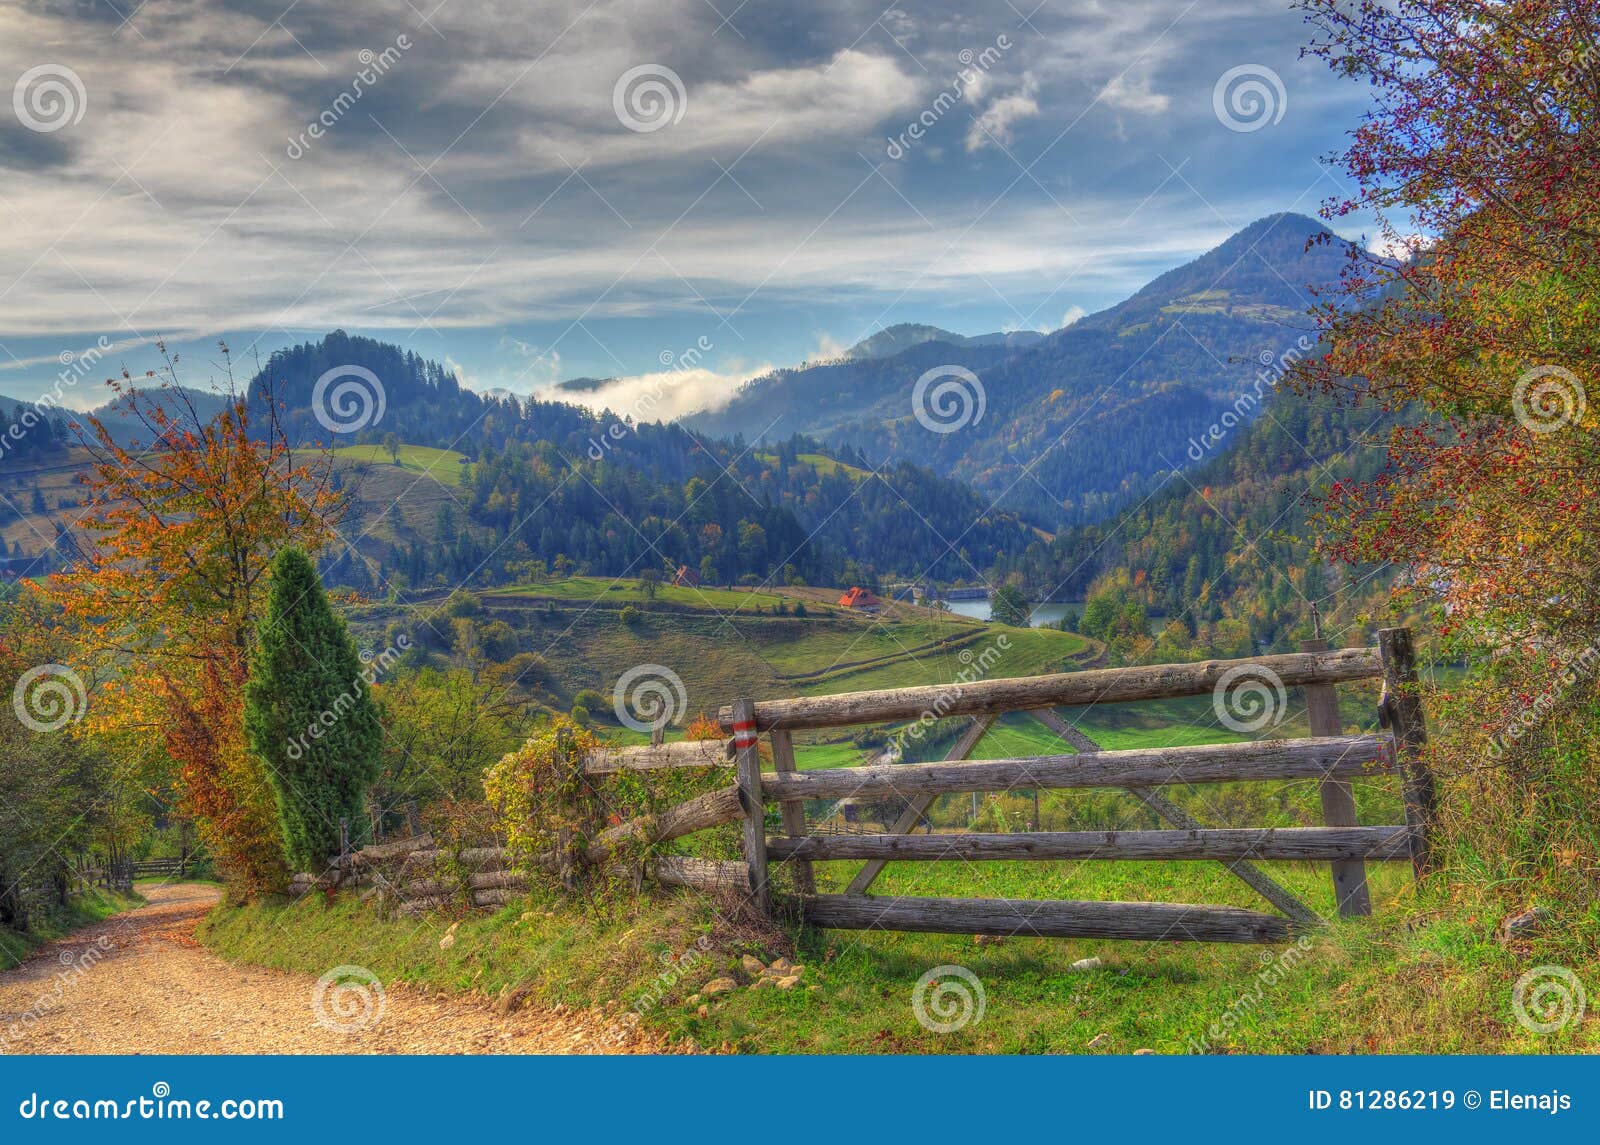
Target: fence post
{"x":1338,"y":800}
{"x":1403,"y":714}
{"x":747,"y":742}
{"x":794,"y":811}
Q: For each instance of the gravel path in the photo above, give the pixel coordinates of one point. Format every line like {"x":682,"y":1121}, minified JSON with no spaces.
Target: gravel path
{"x":139,"y":983}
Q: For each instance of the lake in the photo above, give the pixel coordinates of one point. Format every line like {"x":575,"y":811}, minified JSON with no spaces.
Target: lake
{"x":1045,"y":613}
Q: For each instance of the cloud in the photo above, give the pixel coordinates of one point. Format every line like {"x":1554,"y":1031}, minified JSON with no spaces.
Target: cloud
{"x":663,"y":396}
{"x":1134,"y":95}
{"x":828,"y":348}
{"x":996,"y":123}
{"x":484,"y":182}
{"x":1401,"y":248}
{"x":1073,"y":314}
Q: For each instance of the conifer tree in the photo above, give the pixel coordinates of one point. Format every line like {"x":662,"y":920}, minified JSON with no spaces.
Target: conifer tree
{"x":309,"y":716}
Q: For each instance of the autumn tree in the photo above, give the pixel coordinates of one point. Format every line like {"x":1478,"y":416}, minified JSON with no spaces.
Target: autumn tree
{"x":1482,"y":157}
{"x":309,"y":716}
{"x":167,"y":583}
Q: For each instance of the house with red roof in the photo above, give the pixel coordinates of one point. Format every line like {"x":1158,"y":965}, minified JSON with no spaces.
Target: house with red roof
{"x":860,"y":599}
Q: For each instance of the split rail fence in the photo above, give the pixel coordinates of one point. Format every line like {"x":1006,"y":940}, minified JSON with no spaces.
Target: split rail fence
{"x":1329,"y":757}
{"x":425,"y":877}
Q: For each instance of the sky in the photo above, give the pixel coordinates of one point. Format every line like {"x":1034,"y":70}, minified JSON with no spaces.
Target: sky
{"x":538,"y":191}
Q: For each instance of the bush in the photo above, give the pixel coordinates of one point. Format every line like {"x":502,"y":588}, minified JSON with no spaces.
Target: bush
{"x":590,"y":699}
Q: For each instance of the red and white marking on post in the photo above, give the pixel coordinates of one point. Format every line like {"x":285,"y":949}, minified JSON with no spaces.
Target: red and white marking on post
{"x":744,"y":734}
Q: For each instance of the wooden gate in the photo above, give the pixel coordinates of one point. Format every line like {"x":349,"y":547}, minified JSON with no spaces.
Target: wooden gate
{"x":1331,"y":758}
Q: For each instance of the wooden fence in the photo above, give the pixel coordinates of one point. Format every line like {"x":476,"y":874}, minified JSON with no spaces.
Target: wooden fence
{"x":423,"y":876}
{"x":1328,"y":756}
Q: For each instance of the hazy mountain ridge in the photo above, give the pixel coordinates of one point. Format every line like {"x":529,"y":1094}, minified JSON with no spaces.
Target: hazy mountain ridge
{"x":1076,"y":426}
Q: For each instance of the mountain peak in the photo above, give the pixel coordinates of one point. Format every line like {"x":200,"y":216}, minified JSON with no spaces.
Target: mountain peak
{"x":1272,"y":264}
{"x":902,"y":336}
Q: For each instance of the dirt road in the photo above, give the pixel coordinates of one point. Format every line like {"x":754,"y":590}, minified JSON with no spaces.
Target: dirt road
{"x":139,"y":983}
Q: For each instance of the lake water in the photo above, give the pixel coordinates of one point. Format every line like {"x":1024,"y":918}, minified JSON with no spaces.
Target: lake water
{"x":1044,"y":614}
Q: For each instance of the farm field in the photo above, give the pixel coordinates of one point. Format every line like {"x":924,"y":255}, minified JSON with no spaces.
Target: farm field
{"x":720,"y":647}
{"x":628,"y":590}
{"x":443,"y":465}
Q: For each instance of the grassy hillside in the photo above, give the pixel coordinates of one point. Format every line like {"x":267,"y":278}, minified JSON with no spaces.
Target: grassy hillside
{"x":443,"y":465}
{"x":721,"y":647}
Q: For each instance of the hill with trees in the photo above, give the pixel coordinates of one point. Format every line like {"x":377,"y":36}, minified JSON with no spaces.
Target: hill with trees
{"x":1084,"y":422}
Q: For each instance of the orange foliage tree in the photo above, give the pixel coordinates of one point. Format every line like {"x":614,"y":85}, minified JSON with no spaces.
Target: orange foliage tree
{"x":1485,"y":142}
{"x":181,"y":527}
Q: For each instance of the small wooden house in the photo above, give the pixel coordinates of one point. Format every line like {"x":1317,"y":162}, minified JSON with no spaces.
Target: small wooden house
{"x":860,"y":599}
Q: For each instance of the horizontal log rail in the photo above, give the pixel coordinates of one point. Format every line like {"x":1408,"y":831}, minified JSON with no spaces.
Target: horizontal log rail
{"x":1064,"y":689}
{"x":1322,"y":844}
{"x":651,"y":757}
{"x":1155,"y":922}
{"x":1343,"y":756}
{"x":696,"y":874}
{"x":709,"y":810}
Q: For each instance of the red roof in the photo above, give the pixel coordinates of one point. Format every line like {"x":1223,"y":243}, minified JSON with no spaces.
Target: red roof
{"x":859,"y":598}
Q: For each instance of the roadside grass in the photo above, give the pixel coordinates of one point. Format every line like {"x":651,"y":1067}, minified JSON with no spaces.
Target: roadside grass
{"x":443,"y":465}
{"x":94,"y":905}
{"x":1424,"y":974}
